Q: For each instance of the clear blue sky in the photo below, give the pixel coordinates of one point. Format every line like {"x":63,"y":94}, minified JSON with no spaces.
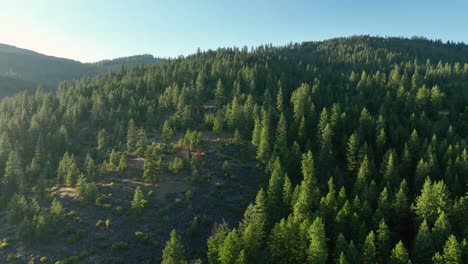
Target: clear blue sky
{"x":92,"y":30}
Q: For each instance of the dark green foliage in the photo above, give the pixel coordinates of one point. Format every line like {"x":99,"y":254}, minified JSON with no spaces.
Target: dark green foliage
{"x":423,"y":247}
{"x":368,"y":253}
{"x":367,"y":134}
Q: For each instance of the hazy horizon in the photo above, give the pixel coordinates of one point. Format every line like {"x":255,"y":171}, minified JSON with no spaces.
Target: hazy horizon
{"x":90,"y":31}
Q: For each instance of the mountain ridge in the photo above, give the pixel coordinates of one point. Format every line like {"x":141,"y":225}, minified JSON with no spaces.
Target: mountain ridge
{"x":23,"y":69}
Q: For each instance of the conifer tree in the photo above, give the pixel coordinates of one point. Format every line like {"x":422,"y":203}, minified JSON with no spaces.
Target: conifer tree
{"x":173,"y":252}
{"x":13,"y":176}
{"x":452,"y":253}
{"x":399,"y":255}
{"x":352,"y":154}
{"x":317,"y":251}
{"x":281,"y":143}
{"x":219,"y":93}
{"x":230,"y":249}
{"x":383,"y":245}
{"x":138,"y":202}
{"x":441,"y":231}
{"x":434,"y":198}
{"x":275,"y":191}
{"x":368,"y":249}
{"x":252,"y":227}
{"x":215,"y":241}
{"x":132,"y":136}
{"x":422,"y":247}
{"x":263,"y":150}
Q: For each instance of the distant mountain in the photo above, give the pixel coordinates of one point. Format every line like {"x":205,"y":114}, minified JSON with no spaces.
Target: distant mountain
{"x":22,"y":69}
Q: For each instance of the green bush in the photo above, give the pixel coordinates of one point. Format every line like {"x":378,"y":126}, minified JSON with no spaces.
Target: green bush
{"x":75,"y":237}
{"x":119,"y":246}
{"x":118,"y":210}
{"x":100,"y":223}
{"x":3,"y":244}
{"x":108,"y":223}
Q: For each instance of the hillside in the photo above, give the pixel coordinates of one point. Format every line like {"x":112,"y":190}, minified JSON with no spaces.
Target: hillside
{"x":349,"y":150}
{"x":22,"y":69}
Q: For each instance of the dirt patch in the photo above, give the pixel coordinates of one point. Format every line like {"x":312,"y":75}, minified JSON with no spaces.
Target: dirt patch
{"x":69,"y":192}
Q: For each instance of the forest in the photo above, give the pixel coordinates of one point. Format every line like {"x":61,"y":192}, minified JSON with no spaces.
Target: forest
{"x":349,"y":150}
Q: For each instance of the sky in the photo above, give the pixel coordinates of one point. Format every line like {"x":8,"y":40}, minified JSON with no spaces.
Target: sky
{"x":93,"y":30}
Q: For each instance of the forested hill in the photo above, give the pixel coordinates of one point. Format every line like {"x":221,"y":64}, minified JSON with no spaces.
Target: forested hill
{"x":359,"y":150}
{"x":22,"y":69}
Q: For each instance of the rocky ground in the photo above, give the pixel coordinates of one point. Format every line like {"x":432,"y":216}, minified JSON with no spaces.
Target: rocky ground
{"x":191,"y":205}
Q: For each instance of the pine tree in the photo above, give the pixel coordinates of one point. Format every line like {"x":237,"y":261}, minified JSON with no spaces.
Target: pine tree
{"x":352,"y":154}
{"x":219,"y":93}
{"x":263,"y":150}
{"x":252,"y":227}
{"x":132,"y":136}
{"x":399,"y":255}
{"x":90,"y":168}
{"x":342,"y":259}
{"x":352,"y":254}
{"x":173,"y":252}
{"x":422,"y":247}
{"x":215,"y":241}
{"x":390,"y":169}
{"x":138,"y":202}
{"x":13,"y":176}
{"x":281,"y":143}
{"x":280,"y":98}
{"x":363,"y":176}
{"x":368,"y":249}
{"x":275,"y":191}
{"x":242,"y":258}
{"x":401,"y":209}
{"x":383,"y":245}
{"x":123,"y":163}
{"x":452,"y":253}
{"x":434,"y":198}
{"x":340,"y":246}
{"x":317,"y":251}
{"x":167,"y":133}
{"x":308,"y":190}
{"x":101,"y":142}
{"x":287,"y":193}
{"x":441,"y":231}
{"x":230,"y":248}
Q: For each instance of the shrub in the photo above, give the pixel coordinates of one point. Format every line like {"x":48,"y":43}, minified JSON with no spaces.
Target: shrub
{"x":118,"y":210}
{"x":188,"y":195}
{"x":139,"y":235}
{"x":100,"y":223}
{"x":77,"y":236}
{"x":11,"y":257}
{"x":119,"y":246}
{"x":3,"y":244}
{"x":108,"y":223}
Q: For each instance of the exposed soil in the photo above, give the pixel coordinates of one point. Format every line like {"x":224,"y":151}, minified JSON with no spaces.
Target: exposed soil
{"x":189,"y":204}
